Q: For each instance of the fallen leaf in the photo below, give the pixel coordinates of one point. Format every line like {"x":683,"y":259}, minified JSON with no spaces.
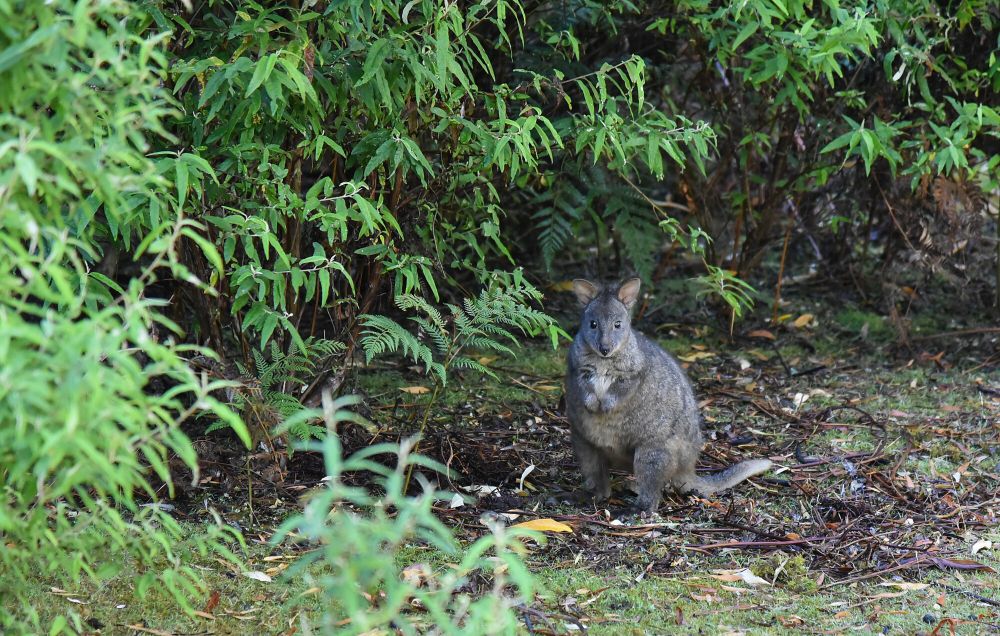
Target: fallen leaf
{"x":417,"y":574}
{"x":212,"y":602}
{"x":751,"y":579}
{"x":697,"y":355}
{"x":544,"y":525}
{"x":457,"y":501}
{"x":982,"y":544}
{"x":527,"y":471}
{"x":744,"y":575}
{"x":905,"y":585}
{"x":257,"y":576}
{"x":480,"y":489}
{"x":761,"y":333}
{"x":799,"y":399}
{"x":547,"y":387}
{"x":791,"y":621}
{"x":415,"y":390}
{"x":802,"y":321}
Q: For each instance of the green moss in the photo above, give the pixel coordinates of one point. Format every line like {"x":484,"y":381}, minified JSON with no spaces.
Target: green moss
{"x":854,"y":320}
{"x":790,"y":572}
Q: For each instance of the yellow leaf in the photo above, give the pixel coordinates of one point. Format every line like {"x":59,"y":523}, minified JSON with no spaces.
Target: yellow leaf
{"x":543,"y":525}
{"x":487,"y":359}
{"x":415,"y":390}
{"x":697,"y":355}
{"x":905,"y":585}
{"x":802,"y":321}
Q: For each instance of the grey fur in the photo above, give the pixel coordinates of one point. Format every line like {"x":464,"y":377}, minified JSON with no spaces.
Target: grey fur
{"x":631,"y":406}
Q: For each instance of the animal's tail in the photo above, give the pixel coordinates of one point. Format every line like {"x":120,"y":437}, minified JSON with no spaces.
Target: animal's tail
{"x":709,"y":484}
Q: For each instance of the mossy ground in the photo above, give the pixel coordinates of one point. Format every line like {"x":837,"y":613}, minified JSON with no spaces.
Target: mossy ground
{"x":884,"y":455}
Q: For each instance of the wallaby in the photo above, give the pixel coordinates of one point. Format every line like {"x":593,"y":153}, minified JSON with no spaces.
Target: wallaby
{"x":630,"y":405}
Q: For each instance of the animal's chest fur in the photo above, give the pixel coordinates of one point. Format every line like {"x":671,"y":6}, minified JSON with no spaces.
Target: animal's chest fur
{"x":609,"y":431}
{"x":600,"y":383}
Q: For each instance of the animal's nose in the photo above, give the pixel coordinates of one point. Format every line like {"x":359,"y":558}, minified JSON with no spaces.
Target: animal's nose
{"x":604,"y":350}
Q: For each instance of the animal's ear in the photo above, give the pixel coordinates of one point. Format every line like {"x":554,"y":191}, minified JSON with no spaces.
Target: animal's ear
{"x":628,"y":293}
{"x":585,"y":291}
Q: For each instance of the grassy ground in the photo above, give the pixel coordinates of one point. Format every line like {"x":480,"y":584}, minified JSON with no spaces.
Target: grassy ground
{"x":880,"y":518}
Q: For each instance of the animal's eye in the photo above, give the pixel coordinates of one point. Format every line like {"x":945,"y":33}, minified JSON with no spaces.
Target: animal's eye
{"x":618,"y":324}
{"x":593,"y":324}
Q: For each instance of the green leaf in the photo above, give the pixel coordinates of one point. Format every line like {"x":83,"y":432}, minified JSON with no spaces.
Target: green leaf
{"x":207,"y":248}
{"x":748,"y":30}
{"x":182,"y":183}
{"x":28,"y":169}
{"x":261,"y":72}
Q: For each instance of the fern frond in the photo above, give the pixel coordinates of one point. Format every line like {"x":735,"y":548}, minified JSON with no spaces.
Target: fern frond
{"x":435,"y":335}
{"x":461,"y":362}
{"x":556,"y":223}
{"x":407,"y":302}
{"x":383,"y":335}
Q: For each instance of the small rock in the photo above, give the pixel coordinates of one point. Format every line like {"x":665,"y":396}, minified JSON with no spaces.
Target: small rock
{"x":930,"y":619}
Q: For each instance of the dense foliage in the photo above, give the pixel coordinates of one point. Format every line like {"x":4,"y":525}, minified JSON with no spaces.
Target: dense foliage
{"x":306,"y":177}
{"x":94,"y":384}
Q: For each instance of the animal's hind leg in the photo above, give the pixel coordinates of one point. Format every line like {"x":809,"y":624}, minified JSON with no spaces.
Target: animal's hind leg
{"x":652,"y":467}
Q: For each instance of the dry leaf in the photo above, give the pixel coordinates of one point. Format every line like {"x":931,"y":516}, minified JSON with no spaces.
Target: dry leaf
{"x":544,"y":525}
{"x":697,"y":355}
{"x":745,"y":575}
{"x":802,"y":321}
{"x":257,"y":576}
{"x":982,"y":544}
{"x":792,"y":620}
{"x":761,"y":333}
{"x":750,"y":578}
{"x":212,"y":602}
{"x":527,"y":471}
{"x":415,"y":390}
{"x":417,"y":574}
{"x":905,"y":585}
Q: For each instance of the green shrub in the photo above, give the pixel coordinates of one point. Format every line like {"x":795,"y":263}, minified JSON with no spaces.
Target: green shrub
{"x":93,"y":386}
{"x":360,"y":530}
{"x":339,"y":151}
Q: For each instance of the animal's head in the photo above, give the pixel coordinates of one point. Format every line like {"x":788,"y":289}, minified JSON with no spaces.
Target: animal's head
{"x":607,"y":314}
